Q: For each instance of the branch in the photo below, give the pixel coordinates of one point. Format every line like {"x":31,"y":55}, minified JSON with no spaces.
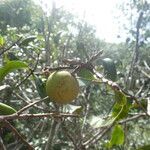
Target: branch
{"x":5,"y":50}
{"x":29,"y":116}
{"x":136,"y":51}
{"x":18,"y":135}
{"x":52,"y":133}
{"x":31,"y":72}
{"x":30,"y":105}
{"x":102,"y":133}
{"x":98,"y":135}
{"x":2,"y":146}
{"x":133,"y":118}
{"x":115,"y":86}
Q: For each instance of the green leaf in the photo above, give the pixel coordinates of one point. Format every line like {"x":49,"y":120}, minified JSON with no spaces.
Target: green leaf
{"x":145,"y":147}
{"x":2,"y":41}
{"x":109,"y":68}
{"x":11,"y":66}
{"x":6,"y":109}
{"x":122,"y":106}
{"x":86,"y":74}
{"x":40,"y":86}
{"x":120,"y":111}
{"x":117,"y":136}
{"x":120,"y":97}
{"x":26,"y":41}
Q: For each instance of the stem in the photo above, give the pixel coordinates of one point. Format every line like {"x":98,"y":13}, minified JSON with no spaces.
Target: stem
{"x":52,"y":134}
{"x":30,"y":116}
{"x":135,"y":53}
{"x":2,"y":146}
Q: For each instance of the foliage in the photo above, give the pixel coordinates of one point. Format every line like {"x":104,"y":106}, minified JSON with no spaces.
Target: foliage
{"x":106,"y":114}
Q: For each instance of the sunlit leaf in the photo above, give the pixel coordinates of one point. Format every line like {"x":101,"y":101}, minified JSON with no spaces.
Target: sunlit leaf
{"x":120,"y":111}
{"x":96,"y":121}
{"x":108,"y":121}
{"x":2,"y":41}
{"x":117,"y":136}
{"x":6,"y":109}
{"x":11,"y":66}
{"x":73,"y":109}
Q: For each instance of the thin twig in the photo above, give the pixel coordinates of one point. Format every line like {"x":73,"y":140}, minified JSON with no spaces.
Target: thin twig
{"x":18,"y":134}
{"x":146,"y":65}
{"x":100,"y":134}
{"x":95,"y":57}
{"x":2,"y":146}
{"x":52,"y":134}
{"x":5,"y":50}
{"x":30,"y":105}
{"x":31,"y":72}
{"x":136,"y":51}
{"x":26,"y":101}
{"x":132,"y":118}
{"x":71,"y":137}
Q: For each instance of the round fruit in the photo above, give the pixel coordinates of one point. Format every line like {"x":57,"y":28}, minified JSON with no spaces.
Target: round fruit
{"x":62,"y":87}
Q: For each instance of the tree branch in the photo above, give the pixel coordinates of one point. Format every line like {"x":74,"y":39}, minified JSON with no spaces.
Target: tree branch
{"x":18,"y":134}
{"x":5,"y":50}
{"x":30,"y":116}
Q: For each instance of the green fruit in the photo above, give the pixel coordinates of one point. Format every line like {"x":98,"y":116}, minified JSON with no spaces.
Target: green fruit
{"x":6,"y":110}
{"x":109,"y":69}
{"x":62,"y":87}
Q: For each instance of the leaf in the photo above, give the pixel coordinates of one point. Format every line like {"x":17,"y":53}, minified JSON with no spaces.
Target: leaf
{"x":96,"y":121}
{"x":145,"y":147}
{"x":74,"y":109}
{"x":117,"y":136}
{"x":109,"y":68}
{"x":120,"y":111}
{"x":122,"y":106}
{"x":109,"y":121}
{"x":26,"y":41}
{"x":6,"y":109}
{"x":40,"y":86}
{"x":86,"y":74}
{"x":120,"y":97}
{"x":11,"y":66}
{"x":1,"y":41}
